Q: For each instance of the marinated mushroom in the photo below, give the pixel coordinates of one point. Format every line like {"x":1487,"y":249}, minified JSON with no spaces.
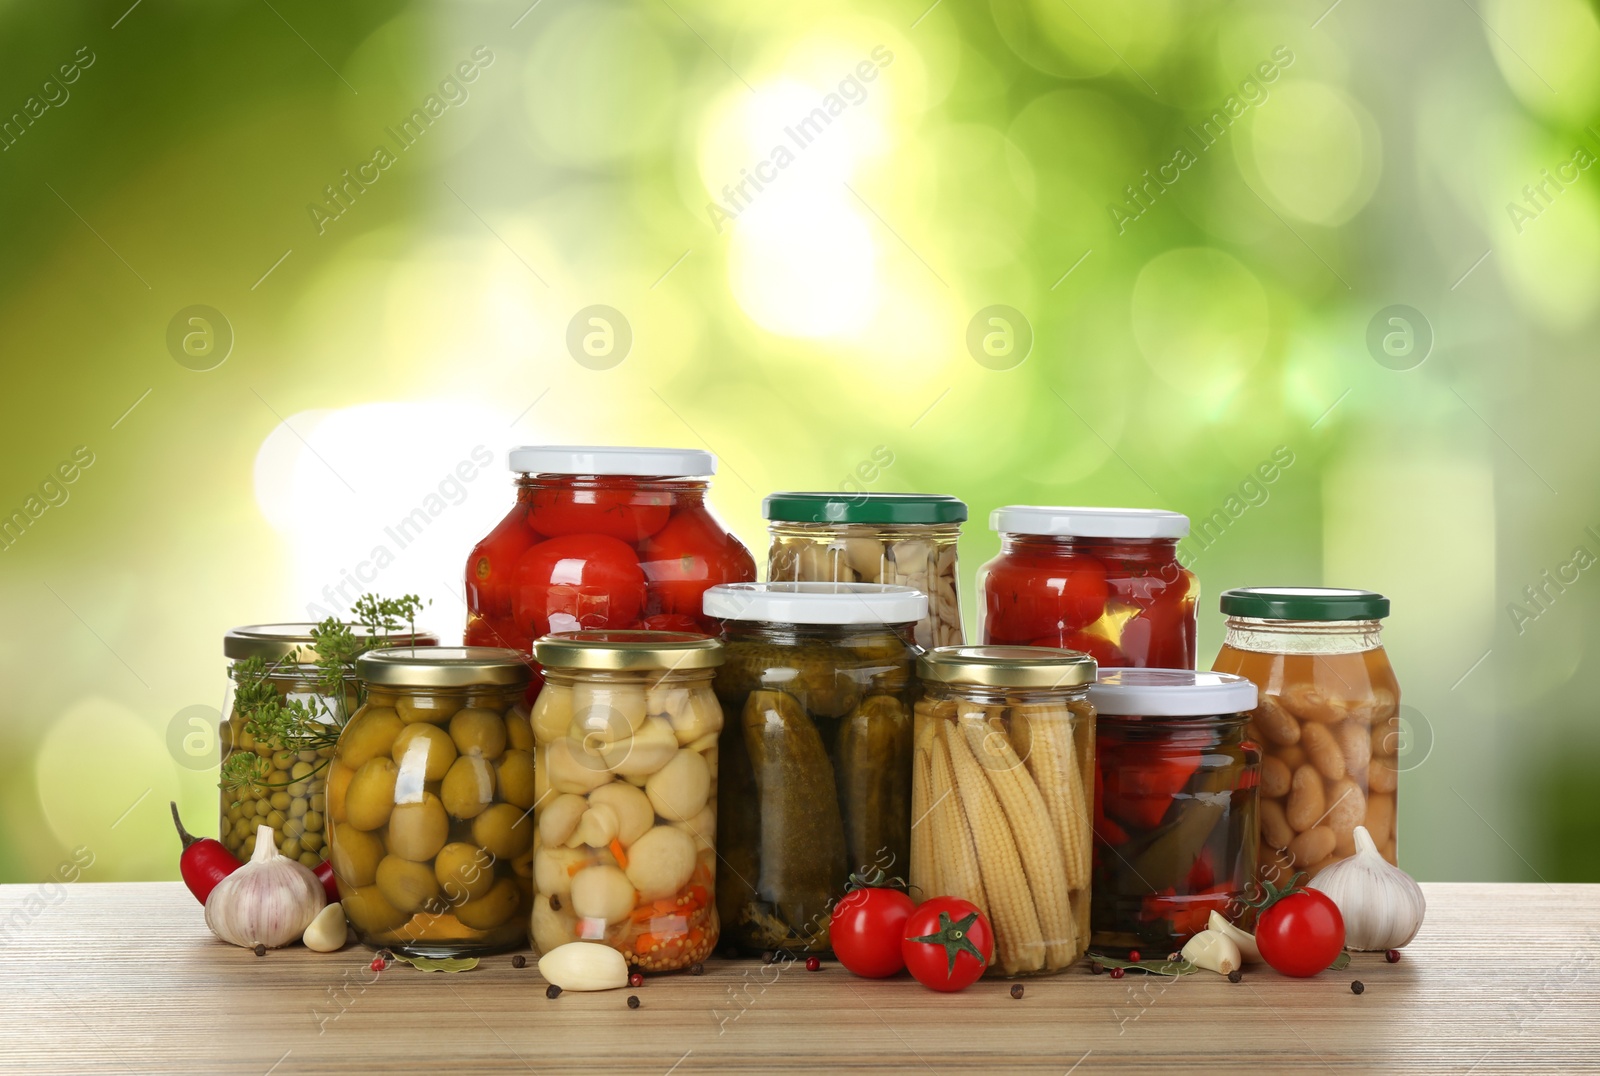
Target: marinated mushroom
{"x":679,"y":790}
{"x":602,"y":892}
{"x":634,"y":813}
{"x":645,"y":752}
{"x":660,"y":862}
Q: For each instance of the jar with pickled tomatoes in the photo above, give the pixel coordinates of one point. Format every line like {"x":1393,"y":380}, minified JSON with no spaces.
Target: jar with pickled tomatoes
{"x":1328,"y":720}
{"x":601,"y":538}
{"x":1103,"y":581}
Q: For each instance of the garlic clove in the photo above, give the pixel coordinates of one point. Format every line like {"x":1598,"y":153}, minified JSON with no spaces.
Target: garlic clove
{"x":1382,"y":906}
{"x":1245,"y":941}
{"x":583,"y":965}
{"x":1214,"y":951}
{"x":269,"y":901}
{"x":328,"y":931}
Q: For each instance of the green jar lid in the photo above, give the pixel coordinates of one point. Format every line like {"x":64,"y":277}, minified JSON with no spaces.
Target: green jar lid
{"x":864,"y":508}
{"x":1304,"y":603}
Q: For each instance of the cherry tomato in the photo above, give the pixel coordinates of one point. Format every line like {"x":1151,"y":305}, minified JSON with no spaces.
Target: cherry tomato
{"x":948,"y":943}
{"x":690,"y":554}
{"x":628,"y":515}
{"x":1035,"y":597}
{"x":867,"y":929}
{"x":578,"y":581}
{"x":1300,"y":934}
{"x":492,"y":566}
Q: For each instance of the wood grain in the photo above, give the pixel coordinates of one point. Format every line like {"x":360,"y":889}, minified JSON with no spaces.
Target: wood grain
{"x":125,"y":978}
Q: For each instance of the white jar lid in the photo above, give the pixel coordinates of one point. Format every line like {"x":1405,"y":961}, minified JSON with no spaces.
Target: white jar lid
{"x":1171,"y":693}
{"x":816,"y":603}
{"x":620,"y":460}
{"x":1089,"y":522}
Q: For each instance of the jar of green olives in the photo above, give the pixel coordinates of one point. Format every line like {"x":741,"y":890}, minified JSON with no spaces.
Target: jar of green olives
{"x":278,"y":778}
{"x":430,"y":795}
{"x":816,"y":753}
{"x":626,"y":727}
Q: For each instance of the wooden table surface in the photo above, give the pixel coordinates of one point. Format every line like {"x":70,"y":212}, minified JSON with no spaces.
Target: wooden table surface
{"x":126,"y":978}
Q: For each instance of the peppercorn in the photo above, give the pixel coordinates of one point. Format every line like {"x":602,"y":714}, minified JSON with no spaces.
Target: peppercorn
{"x":1235,"y":976}
{"x":519,"y":961}
{"x":1392,"y":956}
{"x":813,"y":963}
{"x":1117,"y":973}
{"x":633,"y":1001}
{"x":1016,"y":991}
{"x":261,"y":950}
{"x":768,"y":957}
{"x":1095,"y":967}
{"x":1133,"y":956}
{"x":378,"y":963}
{"x":635,"y":980}
{"x":1357,"y":986}
{"x":697,"y":969}
{"x":552,"y":991}
{"x":555,"y":904}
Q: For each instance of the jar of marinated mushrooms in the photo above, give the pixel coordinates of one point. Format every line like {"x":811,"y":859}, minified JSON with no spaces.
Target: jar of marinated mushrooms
{"x":430,"y":795}
{"x":1328,"y":720}
{"x":625,"y":854}
{"x":279,"y":780}
{"x":816,"y":753}
{"x":1175,"y":805}
{"x":1002,"y":781}
{"x":905,"y":539}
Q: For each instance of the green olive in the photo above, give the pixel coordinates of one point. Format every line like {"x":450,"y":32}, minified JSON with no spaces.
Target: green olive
{"x":516,"y":778}
{"x":519,"y":733}
{"x":369,"y":912}
{"x":434,"y":709}
{"x":312,"y":842}
{"x":464,"y":872}
{"x":280,"y":801}
{"x":418,"y":830}
{"x":354,"y":856}
{"x":426,"y":746}
{"x":369,"y":734}
{"x":505,"y":830}
{"x":371,"y":796}
{"x":469,"y":786}
{"x":490,"y":911}
{"x":479,"y":732}
{"x":410,"y":887}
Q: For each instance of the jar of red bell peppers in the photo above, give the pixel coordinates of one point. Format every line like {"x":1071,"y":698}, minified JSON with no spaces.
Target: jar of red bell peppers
{"x":1104,"y":581}
{"x":1175,"y":824}
{"x":601,"y":537}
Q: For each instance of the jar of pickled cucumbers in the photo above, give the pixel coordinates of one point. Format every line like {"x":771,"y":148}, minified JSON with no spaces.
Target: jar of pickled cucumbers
{"x":1105,"y":581}
{"x":1001,"y":780}
{"x":1328,"y":720}
{"x":908,"y":539}
{"x":601,"y":538}
{"x":1175,"y":805}
{"x":272,"y":668}
{"x":816,"y":753}
{"x":430,"y":795}
{"x":625,"y":854}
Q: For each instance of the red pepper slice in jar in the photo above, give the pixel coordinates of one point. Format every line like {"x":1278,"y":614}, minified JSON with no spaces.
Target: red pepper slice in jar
{"x":627,"y":515}
{"x":578,"y":581}
{"x":1142,"y":779}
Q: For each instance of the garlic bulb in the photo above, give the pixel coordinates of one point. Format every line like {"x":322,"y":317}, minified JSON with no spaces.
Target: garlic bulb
{"x":269,"y":901}
{"x":1381,"y":905}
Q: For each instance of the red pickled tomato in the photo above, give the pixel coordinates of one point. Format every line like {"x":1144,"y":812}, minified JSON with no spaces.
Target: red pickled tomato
{"x":492,"y":566}
{"x":1037,"y":597}
{"x":578,"y":581}
{"x":690,"y":554}
{"x":624,"y":514}
{"x":1161,"y":636}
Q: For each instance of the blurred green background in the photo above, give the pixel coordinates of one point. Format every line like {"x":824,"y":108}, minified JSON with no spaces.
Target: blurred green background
{"x":1300,"y":169}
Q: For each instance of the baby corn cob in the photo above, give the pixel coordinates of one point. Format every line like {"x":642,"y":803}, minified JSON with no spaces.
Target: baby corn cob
{"x":1043,"y":737}
{"x":1037,"y":840}
{"x":924,"y":877}
{"x":956,"y":867}
{"x":1018,"y":936}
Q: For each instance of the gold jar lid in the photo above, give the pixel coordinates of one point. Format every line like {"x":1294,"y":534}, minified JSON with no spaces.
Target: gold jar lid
{"x":616,"y":651}
{"x":1039,"y":667}
{"x":294,"y":644}
{"x":444,"y":666}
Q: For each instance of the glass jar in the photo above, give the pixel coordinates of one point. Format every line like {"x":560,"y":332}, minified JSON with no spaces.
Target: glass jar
{"x":618,"y":538}
{"x":277,"y":663}
{"x":907,"y":539}
{"x":1105,"y":581}
{"x":1004,"y":759}
{"x":626,"y":850}
{"x":1174,"y":805}
{"x":429,"y":793}
{"x":1328,"y":720}
{"x":816,"y":753}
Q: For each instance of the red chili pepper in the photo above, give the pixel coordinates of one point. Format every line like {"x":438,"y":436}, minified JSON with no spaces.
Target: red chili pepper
{"x":1141,"y":779}
{"x":330,"y":884}
{"x":204,"y":862}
